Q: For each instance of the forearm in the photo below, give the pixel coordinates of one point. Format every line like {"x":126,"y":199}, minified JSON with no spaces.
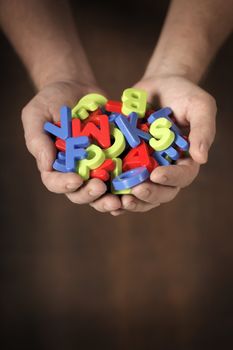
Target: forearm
{"x":44,"y":35}
{"x":193,"y":32}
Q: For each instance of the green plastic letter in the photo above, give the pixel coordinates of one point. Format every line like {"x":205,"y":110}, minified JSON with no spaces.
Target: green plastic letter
{"x":134,"y":100}
{"x":163,"y":136}
{"x":87,"y":103}
{"x":94,"y":159}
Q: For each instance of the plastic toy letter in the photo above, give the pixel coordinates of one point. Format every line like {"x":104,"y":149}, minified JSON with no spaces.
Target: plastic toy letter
{"x":75,"y":150}
{"x":163,"y":136}
{"x":166,"y":156}
{"x":128,"y":127}
{"x":117,"y":171}
{"x":60,"y":163}
{"x":89,"y":102}
{"x":101,"y":133}
{"x":130,"y":178}
{"x":64,"y":131}
{"x":134,"y":100}
{"x":94,"y":159}
{"x":118,"y":145}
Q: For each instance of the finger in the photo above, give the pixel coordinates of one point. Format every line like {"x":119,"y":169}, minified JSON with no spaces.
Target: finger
{"x":108,"y":203}
{"x":61,"y":182}
{"x":202,"y":128}
{"x":149,"y":88}
{"x":118,"y":212}
{"x":133,"y":204}
{"x":154,"y":193}
{"x":180,"y":175}
{"x":38,"y":142}
{"x":92,"y":190}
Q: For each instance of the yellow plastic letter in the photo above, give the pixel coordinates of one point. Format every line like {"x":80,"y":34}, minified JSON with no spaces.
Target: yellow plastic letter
{"x":163,"y":136}
{"x":87,"y":103}
{"x":94,"y":159}
{"x":134,"y":100}
{"x":118,"y":146}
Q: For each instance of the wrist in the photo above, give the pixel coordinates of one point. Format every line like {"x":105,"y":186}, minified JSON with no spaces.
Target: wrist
{"x":165,"y":68}
{"x":65,"y":67}
{"x":181,"y":57}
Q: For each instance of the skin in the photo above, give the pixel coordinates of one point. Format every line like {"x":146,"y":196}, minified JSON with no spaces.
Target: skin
{"x":193,"y":107}
{"x":61,"y":75}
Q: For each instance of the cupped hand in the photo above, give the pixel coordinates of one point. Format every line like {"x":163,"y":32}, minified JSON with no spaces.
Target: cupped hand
{"x":193,"y":108}
{"x":45,"y":106}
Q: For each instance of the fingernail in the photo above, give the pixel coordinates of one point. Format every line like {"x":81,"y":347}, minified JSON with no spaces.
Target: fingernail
{"x":93,"y":192}
{"x":71,"y":187}
{"x":159,"y":178}
{"x":130,"y":205}
{"x":203,"y":151}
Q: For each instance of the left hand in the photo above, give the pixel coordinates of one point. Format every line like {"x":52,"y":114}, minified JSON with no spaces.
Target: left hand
{"x":193,"y":107}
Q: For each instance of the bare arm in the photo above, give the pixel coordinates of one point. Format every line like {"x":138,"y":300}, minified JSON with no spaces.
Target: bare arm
{"x":193,"y":32}
{"x":44,"y":35}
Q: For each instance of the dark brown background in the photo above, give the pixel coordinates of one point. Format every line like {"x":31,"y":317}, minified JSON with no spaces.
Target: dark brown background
{"x":72,"y":278}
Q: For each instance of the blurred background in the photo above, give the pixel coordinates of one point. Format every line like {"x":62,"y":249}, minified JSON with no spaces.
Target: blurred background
{"x":72,"y":278}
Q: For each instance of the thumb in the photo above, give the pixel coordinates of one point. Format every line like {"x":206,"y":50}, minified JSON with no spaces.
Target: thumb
{"x":202,"y":130}
{"x":38,"y":142}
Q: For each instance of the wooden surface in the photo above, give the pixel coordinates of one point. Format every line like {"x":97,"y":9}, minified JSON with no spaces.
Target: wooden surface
{"x":76,"y":279}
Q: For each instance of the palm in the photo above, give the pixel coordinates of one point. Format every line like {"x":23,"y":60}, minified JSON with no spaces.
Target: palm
{"x":45,"y":106}
{"x":192,"y":107}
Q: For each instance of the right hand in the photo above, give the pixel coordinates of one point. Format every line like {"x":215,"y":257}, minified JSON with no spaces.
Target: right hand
{"x":45,"y":106}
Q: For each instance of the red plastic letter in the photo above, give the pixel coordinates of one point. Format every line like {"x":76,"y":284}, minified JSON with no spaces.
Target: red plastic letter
{"x":101,"y":133}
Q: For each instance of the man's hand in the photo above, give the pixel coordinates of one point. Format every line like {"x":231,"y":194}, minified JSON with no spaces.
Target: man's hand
{"x":193,"y":108}
{"x":45,"y":106}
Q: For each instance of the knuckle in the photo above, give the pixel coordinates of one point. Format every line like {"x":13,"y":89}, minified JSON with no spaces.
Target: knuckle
{"x":46,"y":182}
{"x":204,"y":101}
{"x":143,"y":190}
{"x":25,"y":113}
{"x":212,"y":102}
{"x":32,"y":145}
